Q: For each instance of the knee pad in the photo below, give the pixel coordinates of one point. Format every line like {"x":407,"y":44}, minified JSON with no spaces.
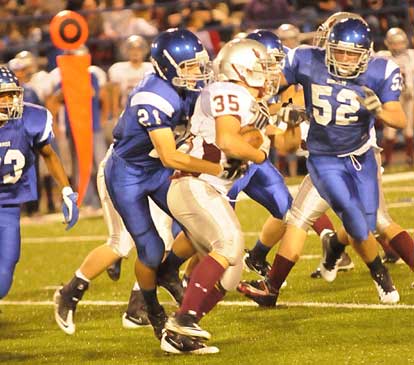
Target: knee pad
{"x":231,"y":247}
{"x":355,"y":223}
{"x":232,"y":276}
{"x":121,"y":243}
{"x":150,"y":248}
{"x":383,"y":220}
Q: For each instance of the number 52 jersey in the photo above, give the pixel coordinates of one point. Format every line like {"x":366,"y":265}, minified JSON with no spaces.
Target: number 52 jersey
{"x":19,"y":139}
{"x":339,"y":124}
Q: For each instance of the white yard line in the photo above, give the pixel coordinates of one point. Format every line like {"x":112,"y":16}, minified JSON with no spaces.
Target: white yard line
{"x":223,"y":303}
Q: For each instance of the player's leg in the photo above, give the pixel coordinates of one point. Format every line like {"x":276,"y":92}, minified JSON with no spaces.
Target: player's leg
{"x":267,"y":187}
{"x":9,"y":246}
{"x":350,"y":186}
{"x":214,"y":230}
{"x":388,"y":144}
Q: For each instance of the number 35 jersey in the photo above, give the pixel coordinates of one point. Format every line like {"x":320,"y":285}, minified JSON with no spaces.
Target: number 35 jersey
{"x":215,"y":100}
{"x":19,"y":140}
{"x":339,"y":124}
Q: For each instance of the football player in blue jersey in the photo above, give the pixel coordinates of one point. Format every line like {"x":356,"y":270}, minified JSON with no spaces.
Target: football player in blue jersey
{"x":345,"y":89}
{"x":144,"y":154}
{"x":24,"y":129}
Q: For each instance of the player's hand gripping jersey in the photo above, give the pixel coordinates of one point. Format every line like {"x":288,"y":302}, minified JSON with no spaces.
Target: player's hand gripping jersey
{"x":339,"y":123}
{"x":153,"y":104}
{"x":218,"y":99}
{"x":19,"y":140}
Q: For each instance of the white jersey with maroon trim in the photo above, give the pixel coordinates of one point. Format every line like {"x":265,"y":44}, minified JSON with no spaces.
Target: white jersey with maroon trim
{"x":128,"y":76}
{"x":218,"y":99}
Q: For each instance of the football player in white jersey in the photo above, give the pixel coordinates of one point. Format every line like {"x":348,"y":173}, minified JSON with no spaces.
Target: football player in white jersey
{"x":396,"y":41}
{"x":223,"y":110}
{"x":125,"y":75}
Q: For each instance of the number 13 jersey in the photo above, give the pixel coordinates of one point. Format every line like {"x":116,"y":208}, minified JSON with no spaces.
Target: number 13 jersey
{"x":19,"y":140}
{"x":339,"y":124}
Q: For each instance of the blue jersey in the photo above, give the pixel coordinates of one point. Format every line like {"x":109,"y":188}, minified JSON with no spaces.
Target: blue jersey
{"x":153,"y":104}
{"x":338,"y":123}
{"x":19,"y":139}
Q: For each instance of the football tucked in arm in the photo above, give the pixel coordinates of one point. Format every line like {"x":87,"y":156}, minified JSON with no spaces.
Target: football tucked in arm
{"x":252,"y":136}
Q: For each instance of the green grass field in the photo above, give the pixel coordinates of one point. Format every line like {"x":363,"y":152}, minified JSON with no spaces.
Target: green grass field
{"x":310,"y":327}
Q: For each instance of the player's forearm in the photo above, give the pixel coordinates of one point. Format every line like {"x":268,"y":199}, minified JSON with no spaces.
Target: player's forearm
{"x":235,"y":146}
{"x":181,"y":161}
{"x":55,"y":169}
{"x":393,"y":118}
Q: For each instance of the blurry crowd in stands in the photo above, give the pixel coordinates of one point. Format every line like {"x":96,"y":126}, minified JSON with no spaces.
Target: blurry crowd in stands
{"x":120,"y":32}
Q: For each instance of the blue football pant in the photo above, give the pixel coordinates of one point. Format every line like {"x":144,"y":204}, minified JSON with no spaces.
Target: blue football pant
{"x":265,"y":185}
{"x":129,"y":189}
{"x":9,"y":246}
{"x":352,"y":194}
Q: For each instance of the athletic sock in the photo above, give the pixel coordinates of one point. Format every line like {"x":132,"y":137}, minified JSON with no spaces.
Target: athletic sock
{"x":260,"y":251}
{"x":403,"y":244}
{"x":280,"y":270}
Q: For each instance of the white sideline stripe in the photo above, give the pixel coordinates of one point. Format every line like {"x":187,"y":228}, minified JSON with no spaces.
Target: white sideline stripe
{"x":223,"y":303}
{"x":82,"y":239}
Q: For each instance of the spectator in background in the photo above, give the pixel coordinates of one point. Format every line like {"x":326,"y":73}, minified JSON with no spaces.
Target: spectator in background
{"x":264,"y":13}
{"x":397,"y":43}
{"x":115,"y":22}
{"x":143,"y":23}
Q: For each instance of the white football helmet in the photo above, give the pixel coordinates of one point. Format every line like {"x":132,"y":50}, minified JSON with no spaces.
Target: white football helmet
{"x":321,"y":34}
{"x":244,"y":60}
{"x":396,"y":41}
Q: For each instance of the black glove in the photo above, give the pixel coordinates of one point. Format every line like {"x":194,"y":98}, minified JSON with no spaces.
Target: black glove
{"x":292,"y":115}
{"x":233,"y":169}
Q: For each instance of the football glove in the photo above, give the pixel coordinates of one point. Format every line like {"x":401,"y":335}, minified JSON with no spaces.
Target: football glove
{"x":292,"y":115}
{"x":233,"y":169}
{"x":370,"y":101}
{"x":69,"y":208}
{"x":262,"y":116}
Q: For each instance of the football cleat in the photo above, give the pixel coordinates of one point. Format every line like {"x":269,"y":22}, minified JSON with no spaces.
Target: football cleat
{"x":157,"y":321}
{"x":387,"y":292}
{"x":389,"y":258}
{"x":259,"y":291}
{"x":136,"y":313}
{"x":175,"y":343}
{"x":330,"y":260}
{"x":64,"y":312}
{"x":186,"y":324}
{"x":171,"y":282}
{"x":260,"y":267}
{"x":344,"y":264}
{"x":114,"y":270}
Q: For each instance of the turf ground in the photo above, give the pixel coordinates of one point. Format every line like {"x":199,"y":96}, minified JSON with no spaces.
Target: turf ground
{"x":316,"y":323}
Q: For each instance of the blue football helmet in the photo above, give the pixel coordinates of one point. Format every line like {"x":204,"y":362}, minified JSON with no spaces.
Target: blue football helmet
{"x":11,"y":96}
{"x":348,"y":48}
{"x":277,"y":55}
{"x":175,"y":55}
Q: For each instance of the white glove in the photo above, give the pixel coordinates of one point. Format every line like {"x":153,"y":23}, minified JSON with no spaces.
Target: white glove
{"x":69,"y":208}
{"x":370,"y":101}
{"x":292,"y":115}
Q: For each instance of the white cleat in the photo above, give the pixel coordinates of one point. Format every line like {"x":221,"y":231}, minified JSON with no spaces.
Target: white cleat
{"x":387,"y":292}
{"x":132,"y":323}
{"x":186,"y":325}
{"x":64,"y":313}
{"x":175,"y":343}
{"x":329,"y":274}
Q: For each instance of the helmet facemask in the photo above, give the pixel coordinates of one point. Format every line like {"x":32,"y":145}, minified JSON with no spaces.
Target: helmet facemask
{"x":192,"y":74}
{"x":355,"y":60}
{"x":11,"y":103}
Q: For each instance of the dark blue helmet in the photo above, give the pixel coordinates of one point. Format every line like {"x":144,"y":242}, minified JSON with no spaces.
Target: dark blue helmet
{"x":270,"y":40}
{"x":277,"y":54}
{"x":175,"y":53}
{"x":348,"y":48}
{"x":11,"y":96}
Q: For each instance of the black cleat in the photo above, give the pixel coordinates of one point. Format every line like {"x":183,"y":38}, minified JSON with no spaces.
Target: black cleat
{"x":114,"y":270}
{"x":65,"y":308}
{"x":251,"y":263}
{"x":171,"y":282}
{"x":389,"y":258}
{"x":344,"y":264}
{"x":136,"y":314}
{"x":186,"y":324}
{"x":330,"y":260}
{"x":157,"y":321}
{"x":259,"y":291}
{"x":385,"y":287}
{"x":175,"y":343}
{"x":316,"y":274}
